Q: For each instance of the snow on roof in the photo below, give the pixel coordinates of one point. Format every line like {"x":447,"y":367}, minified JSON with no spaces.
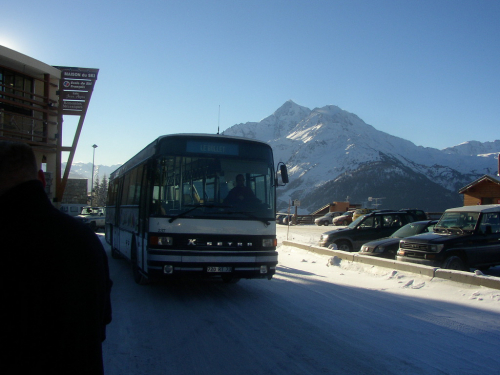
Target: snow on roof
{"x":477,"y":208}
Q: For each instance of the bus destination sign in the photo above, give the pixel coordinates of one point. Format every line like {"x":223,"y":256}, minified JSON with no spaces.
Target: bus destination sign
{"x":212,"y":148}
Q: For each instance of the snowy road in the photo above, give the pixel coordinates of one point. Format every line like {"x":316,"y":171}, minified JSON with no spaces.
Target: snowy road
{"x":310,"y":319}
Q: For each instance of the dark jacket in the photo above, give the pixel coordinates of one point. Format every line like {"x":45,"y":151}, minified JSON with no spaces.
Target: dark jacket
{"x":55,"y":288}
{"x":241,"y":195}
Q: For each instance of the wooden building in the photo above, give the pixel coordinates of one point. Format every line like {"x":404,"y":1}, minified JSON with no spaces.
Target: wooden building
{"x":484,"y":190}
{"x":336,"y":206}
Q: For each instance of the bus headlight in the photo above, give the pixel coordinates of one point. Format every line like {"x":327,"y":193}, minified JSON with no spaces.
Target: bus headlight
{"x":269,"y":242}
{"x":161,"y":241}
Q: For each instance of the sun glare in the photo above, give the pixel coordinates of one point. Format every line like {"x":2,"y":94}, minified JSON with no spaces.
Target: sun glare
{"x":10,"y":43}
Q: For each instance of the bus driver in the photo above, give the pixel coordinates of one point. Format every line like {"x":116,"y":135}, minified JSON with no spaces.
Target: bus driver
{"x":240,"y":194}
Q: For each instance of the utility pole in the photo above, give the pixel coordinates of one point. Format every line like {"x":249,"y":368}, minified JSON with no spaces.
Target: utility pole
{"x":92,"y":186}
{"x":376,"y":204}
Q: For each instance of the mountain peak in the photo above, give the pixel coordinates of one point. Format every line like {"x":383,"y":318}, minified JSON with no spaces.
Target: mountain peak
{"x":290,"y":109}
{"x":330,"y":152}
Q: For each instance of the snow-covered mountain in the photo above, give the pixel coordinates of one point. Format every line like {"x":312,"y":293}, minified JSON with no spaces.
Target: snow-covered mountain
{"x":332,"y":154}
{"x":84,"y":170}
{"x":475,"y":148}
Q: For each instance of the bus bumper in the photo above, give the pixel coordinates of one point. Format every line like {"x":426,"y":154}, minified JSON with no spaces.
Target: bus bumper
{"x":249,"y":266}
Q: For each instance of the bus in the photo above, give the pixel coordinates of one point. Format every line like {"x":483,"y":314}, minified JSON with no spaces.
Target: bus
{"x":196,"y":205}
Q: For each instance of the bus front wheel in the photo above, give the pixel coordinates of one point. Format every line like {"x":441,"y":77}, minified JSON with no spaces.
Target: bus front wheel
{"x":139,"y":278}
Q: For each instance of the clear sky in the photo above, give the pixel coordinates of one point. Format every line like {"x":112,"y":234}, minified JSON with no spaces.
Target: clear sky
{"x":424,"y":70}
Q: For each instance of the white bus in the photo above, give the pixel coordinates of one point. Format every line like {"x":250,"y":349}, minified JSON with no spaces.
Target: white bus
{"x":175,"y":208}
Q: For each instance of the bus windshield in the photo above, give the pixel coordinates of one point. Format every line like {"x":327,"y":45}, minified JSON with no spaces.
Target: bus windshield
{"x":215,"y":187}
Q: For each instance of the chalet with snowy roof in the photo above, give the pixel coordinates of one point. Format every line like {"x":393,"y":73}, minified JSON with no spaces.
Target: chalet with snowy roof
{"x":484,"y":190}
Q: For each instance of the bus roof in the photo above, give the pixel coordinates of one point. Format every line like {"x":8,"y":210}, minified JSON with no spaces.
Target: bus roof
{"x":151,"y":149}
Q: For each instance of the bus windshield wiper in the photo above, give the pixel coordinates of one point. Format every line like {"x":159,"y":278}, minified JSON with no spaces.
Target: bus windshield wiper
{"x":194,"y":207}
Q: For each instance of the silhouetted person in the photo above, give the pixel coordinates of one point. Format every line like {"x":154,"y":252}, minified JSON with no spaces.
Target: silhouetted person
{"x":241,"y":195}
{"x":55,"y":286}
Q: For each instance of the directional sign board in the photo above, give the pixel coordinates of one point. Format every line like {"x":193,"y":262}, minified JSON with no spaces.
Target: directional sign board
{"x":76,"y":88}
{"x":73,"y":106}
{"x":76,"y":84}
{"x":75,"y":95}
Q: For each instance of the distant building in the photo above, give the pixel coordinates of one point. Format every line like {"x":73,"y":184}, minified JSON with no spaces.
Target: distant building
{"x":336,"y":206}
{"x":484,"y":190}
{"x":76,"y":191}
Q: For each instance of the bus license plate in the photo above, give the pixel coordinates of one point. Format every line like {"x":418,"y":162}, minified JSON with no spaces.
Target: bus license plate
{"x":219,"y":269}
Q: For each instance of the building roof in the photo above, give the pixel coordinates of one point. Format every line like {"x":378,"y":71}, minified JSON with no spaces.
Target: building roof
{"x":486,"y":177}
{"x":25,"y":64}
{"x":477,"y":208}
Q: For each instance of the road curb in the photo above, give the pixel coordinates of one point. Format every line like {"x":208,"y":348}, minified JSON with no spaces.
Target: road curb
{"x":433,"y":272}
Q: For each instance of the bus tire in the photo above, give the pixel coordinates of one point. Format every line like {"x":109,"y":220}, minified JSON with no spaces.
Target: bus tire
{"x":139,"y":278}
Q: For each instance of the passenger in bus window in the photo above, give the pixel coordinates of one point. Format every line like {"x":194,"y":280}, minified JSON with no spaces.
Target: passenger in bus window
{"x":240,"y":194}
{"x":55,"y":283}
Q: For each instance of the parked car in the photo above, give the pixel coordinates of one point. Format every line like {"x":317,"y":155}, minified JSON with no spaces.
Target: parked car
{"x":94,"y":217}
{"x":327,"y":219}
{"x":464,"y":238}
{"x":419,"y":214}
{"x":361,"y":211}
{"x":387,"y":247}
{"x":283,"y":219}
{"x":344,"y":219}
{"x":366,"y":228}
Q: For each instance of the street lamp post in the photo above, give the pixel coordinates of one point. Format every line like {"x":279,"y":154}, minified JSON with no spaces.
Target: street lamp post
{"x":92,"y":186}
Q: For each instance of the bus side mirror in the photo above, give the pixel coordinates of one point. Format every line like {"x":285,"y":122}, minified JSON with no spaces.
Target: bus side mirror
{"x":284,"y":173}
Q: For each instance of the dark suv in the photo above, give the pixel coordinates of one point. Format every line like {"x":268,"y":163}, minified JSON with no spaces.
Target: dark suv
{"x":418,"y":214}
{"x":366,"y":228}
{"x":465,"y":237}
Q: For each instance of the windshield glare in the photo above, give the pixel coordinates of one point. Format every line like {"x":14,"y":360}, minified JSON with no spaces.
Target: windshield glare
{"x":411,"y":230}
{"x":214,"y":187}
{"x":355,"y":223}
{"x":461,"y":220}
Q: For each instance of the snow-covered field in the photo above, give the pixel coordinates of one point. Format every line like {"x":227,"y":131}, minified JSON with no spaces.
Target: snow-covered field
{"x":312,"y":318}
{"x":379,"y":278}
